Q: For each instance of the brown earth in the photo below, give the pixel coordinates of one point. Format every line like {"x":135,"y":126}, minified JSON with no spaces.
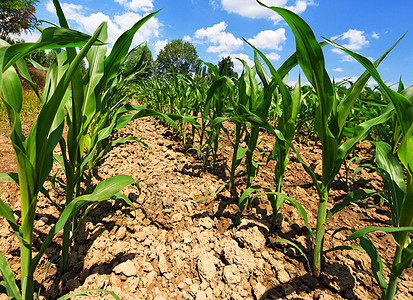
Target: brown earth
{"x":178,"y":248}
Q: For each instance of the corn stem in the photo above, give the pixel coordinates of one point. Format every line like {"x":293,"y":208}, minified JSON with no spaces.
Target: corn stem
{"x":320,"y":231}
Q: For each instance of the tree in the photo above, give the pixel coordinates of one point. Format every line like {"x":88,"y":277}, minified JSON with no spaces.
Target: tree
{"x":226,"y":67}
{"x":39,"y":56}
{"x":17,"y":16}
{"x":179,"y":56}
{"x":134,"y":58}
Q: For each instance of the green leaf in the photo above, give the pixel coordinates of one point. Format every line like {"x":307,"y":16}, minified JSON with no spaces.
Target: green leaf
{"x":107,"y":188}
{"x":103,"y":191}
{"x":311,"y":59}
{"x":296,"y":247}
{"x":51,"y":38}
{"x":88,"y":293}
{"x":405,"y":261}
{"x":345,"y":105}
{"x":369,"y":229}
{"x":243,"y":201}
{"x":119,"y":53}
{"x":8,"y":279}
{"x":7,"y":213}
{"x":13,"y":177}
{"x":402,"y":105}
{"x":125,"y":119}
{"x":351,"y":197}
{"x":406,"y":149}
{"x":393,"y":175}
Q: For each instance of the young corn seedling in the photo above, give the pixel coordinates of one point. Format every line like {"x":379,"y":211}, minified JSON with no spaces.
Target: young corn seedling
{"x":400,"y":186}
{"x":330,"y":120}
{"x":219,"y":92}
{"x":34,"y":153}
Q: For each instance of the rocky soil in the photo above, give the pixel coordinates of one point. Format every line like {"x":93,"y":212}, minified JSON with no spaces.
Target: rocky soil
{"x":178,"y":248}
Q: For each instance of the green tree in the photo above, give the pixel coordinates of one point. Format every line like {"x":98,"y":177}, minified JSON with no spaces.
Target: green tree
{"x":179,"y":56}
{"x":226,"y":67}
{"x":134,"y":57}
{"x":17,"y":16}
{"x":39,"y":56}
{"x":50,"y":57}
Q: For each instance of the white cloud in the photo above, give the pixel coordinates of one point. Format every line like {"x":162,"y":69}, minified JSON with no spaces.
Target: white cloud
{"x":273,"y":56}
{"x":214,"y":3}
{"x":375,"y":35}
{"x":356,"y":39}
{"x":81,"y":20}
{"x":159,"y":45}
{"x":338,"y":69}
{"x":137,"y":5}
{"x":221,"y":41}
{"x":269,"y":39}
{"x":251,"y":9}
{"x":32,"y":36}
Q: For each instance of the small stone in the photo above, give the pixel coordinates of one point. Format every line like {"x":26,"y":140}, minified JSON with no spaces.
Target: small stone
{"x":259,"y":290}
{"x":206,"y":222}
{"x":120,"y":233}
{"x":42,"y":221}
{"x":193,"y":289}
{"x":206,"y":267}
{"x":283,"y":276}
{"x":231,"y":274}
{"x":181,"y":285}
{"x":249,"y":234}
{"x":163,"y":266}
{"x":176,"y":218}
{"x":200,"y":295}
{"x":126,"y":268}
{"x":147,"y":266}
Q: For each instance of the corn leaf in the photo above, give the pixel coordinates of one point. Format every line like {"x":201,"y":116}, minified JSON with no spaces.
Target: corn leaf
{"x":393,"y":175}
{"x":311,"y":60}
{"x":296,"y":247}
{"x":8,"y":279}
{"x":119,"y":53}
{"x":351,"y":197}
{"x":88,"y":293}
{"x":51,"y":38}
{"x":103,"y":191}
{"x":402,"y":105}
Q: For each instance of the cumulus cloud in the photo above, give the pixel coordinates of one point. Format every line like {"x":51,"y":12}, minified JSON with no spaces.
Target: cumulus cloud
{"x":273,"y":56}
{"x":221,"y":40}
{"x":269,"y":39}
{"x":159,"y":45}
{"x":338,"y":69}
{"x":80,"y":19}
{"x":137,"y":5}
{"x":252,"y":9}
{"x":375,"y":35}
{"x":356,"y":40}
{"x":32,"y":36}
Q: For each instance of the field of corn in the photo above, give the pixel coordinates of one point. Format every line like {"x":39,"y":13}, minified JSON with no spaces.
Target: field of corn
{"x":190,"y":187}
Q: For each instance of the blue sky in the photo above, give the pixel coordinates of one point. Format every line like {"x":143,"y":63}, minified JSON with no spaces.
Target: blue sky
{"x":216,"y":28}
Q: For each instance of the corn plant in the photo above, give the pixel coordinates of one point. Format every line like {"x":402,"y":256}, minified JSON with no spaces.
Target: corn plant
{"x":330,"y":119}
{"x":221,"y":90}
{"x":399,"y":182}
{"x":34,"y":153}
